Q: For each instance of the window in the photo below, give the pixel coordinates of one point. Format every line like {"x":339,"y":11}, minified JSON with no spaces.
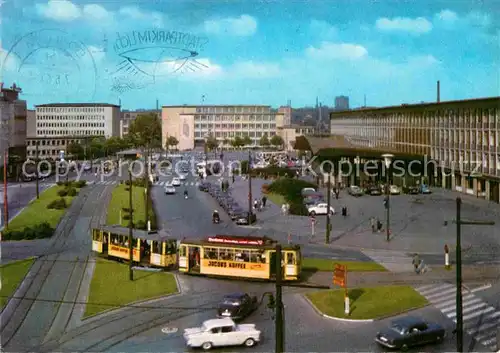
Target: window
{"x":226,"y":329}
{"x":211,"y":253}
{"x":290,"y":258}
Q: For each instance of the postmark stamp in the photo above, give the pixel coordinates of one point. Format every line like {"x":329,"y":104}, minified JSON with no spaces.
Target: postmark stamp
{"x":146,"y":55}
{"x":50,"y":62}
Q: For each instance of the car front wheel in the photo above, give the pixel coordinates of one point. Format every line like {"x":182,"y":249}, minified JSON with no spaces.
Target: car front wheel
{"x":404,"y":348}
{"x":206,"y":346}
{"x":249,"y":342}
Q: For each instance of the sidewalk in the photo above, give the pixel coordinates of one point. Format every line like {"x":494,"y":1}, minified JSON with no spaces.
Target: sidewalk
{"x":470,"y":274}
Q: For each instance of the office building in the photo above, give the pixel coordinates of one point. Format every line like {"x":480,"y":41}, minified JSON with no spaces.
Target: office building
{"x":12,"y":123}
{"x":60,"y":124}
{"x":290,"y":132}
{"x":341,"y":103}
{"x":192,"y":124}
{"x":287,"y":114}
{"x":463,"y":137}
{"x":127,"y":117}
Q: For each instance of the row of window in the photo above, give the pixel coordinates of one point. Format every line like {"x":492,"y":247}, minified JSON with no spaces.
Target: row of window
{"x":70,"y":109}
{"x":69,"y":132}
{"x":236,"y":126}
{"x":232,"y":134}
{"x":70,"y":117}
{"x":234,"y":118}
{"x":233,"y":109}
{"x":254,"y":256}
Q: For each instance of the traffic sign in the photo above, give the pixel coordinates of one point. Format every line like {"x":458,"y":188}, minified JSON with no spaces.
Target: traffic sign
{"x":340,"y":275}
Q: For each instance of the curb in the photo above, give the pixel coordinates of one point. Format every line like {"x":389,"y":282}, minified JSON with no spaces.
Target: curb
{"x":334,"y":317}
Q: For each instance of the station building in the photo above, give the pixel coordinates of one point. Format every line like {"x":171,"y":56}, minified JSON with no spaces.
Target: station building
{"x":461,"y":137}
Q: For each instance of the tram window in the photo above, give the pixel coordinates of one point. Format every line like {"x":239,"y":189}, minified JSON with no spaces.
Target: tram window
{"x":226,"y":254}
{"x":290,"y":258}
{"x":170,"y":247}
{"x":182,"y":251}
{"x":211,"y":253}
{"x":156,"y":247}
{"x":243,"y":256}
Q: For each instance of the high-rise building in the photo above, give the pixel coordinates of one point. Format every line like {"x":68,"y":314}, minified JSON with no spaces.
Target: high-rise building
{"x":462,"y":137}
{"x":342,"y":103}
{"x":127,"y":117}
{"x":60,"y":124}
{"x":192,"y":124}
{"x":12,"y":122}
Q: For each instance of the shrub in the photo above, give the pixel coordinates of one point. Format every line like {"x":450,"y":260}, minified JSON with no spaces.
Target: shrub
{"x":291,"y":189}
{"x":298,"y":209}
{"x":67,"y":183}
{"x":58,"y":204}
{"x":127,"y":182}
{"x":60,"y":183}
{"x":127,"y":188}
{"x":80,"y":184}
{"x":40,"y":231}
{"x":72,"y":192}
{"x":62,"y":192}
{"x":273,"y":172}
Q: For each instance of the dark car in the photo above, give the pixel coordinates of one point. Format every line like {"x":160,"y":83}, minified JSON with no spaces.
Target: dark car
{"x":237,"y":306}
{"x":412,"y":190}
{"x":235,"y":212}
{"x":242,"y":219}
{"x":408,"y":332}
{"x":373,"y":190}
{"x":203,"y":186}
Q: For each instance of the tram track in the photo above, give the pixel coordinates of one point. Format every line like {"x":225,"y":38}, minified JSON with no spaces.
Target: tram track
{"x":14,"y":317}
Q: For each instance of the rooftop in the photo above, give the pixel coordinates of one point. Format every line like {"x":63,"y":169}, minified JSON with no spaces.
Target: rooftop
{"x":217,"y":105}
{"x":77,"y":105}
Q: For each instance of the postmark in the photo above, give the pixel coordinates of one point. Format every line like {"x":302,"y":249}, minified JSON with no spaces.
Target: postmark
{"x":51,"y":62}
{"x":147,"y":55}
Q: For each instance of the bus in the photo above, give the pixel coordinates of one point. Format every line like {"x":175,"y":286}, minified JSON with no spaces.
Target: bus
{"x":241,"y":257}
{"x":150,"y":249}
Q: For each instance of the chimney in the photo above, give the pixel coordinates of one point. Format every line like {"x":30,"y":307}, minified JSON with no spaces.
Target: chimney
{"x":438,"y":92}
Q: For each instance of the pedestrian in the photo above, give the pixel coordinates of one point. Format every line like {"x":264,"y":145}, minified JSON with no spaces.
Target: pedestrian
{"x":344,"y":211}
{"x":283,"y":209}
{"x":373,"y":225}
{"x":255,"y":204}
{"x":233,"y":178}
{"x":337,"y":191}
{"x":416,"y":263}
{"x":264,"y":200}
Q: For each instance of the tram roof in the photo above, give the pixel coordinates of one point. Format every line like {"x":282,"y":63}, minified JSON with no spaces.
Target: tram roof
{"x":137,"y":233}
{"x":269,"y":244}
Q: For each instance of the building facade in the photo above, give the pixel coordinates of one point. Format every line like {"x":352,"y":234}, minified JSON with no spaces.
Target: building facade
{"x":462,"y":137}
{"x":291,"y":132}
{"x":191,"y":125}
{"x":57,"y":125}
{"x":12,"y":123}
{"x":127,"y":117}
{"x":341,"y":103}
{"x":287,"y":114}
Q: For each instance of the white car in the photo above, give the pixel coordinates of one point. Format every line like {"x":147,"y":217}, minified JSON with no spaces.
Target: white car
{"x":182,"y":177}
{"x":176,"y":182}
{"x":394,"y":190}
{"x":169,"y":190}
{"x":320,"y":209}
{"x":220,"y":333}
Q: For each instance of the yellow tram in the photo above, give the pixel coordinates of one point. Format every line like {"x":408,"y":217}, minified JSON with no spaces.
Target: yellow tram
{"x":242,"y":257}
{"x":149,"y":248}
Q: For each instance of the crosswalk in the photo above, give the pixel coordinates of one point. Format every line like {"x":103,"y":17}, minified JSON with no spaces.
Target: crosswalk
{"x":481,"y":320}
{"x":393,"y":261}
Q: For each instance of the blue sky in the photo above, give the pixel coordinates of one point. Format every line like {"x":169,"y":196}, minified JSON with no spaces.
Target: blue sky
{"x":250,"y":52}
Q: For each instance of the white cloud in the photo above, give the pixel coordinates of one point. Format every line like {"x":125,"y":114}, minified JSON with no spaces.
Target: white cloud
{"x":418,"y":25}
{"x":476,"y":18}
{"x":447,"y":16}
{"x":250,"y":69}
{"x":59,"y":10}
{"x":329,"y":50}
{"x":242,"y":26}
{"x":424,"y":60}
{"x":323,"y":29}
{"x":133,"y":12}
{"x":96,"y":12}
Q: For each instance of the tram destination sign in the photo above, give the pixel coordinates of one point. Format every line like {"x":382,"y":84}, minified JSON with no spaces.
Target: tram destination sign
{"x":235,"y":240}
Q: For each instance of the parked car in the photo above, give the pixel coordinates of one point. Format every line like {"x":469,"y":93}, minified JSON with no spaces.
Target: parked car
{"x":306,"y":191}
{"x":203,"y":186}
{"x":373,"y":190}
{"x":394,"y":190}
{"x":182,"y":177}
{"x":313,"y":199}
{"x":412,"y":190}
{"x":408,"y":332}
{"x":242,"y":219}
{"x":424,"y":189}
{"x":220,"y":333}
{"x":169,"y":190}
{"x":235,"y":212}
{"x":176,"y":182}
{"x":355,"y":191}
{"x":320,"y":209}
{"x":237,"y":306}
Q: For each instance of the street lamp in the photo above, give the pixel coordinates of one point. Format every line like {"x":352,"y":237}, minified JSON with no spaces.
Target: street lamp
{"x":357,"y":162}
{"x":387,"y":161}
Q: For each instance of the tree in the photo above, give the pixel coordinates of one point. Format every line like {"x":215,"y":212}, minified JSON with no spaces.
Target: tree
{"x":211,"y":143}
{"x":75,"y":150}
{"x":247,"y":141}
{"x":264,"y":141}
{"x":145,"y":131}
{"x":277,"y":141}
{"x":226,"y":142}
{"x":114,"y":144}
{"x":171,"y":141}
{"x":97,"y":147}
{"x":237,"y":142}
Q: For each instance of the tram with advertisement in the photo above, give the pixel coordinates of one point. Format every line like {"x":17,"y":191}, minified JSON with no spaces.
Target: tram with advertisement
{"x":238,"y":256}
{"x":151,"y":249}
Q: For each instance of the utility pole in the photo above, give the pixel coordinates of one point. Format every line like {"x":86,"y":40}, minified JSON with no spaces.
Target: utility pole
{"x":328,"y":201}
{"x":146,"y":211}
{"x":5,"y":197}
{"x":279,"y":324}
{"x":36,"y":171}
{"x":130,"y":227}
{"x":249,"y":168}
{"x":387,"y":208}
{"x":459,"y":308}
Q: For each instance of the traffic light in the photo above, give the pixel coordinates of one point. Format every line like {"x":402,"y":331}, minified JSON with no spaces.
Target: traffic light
{"x":271,"y":304}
